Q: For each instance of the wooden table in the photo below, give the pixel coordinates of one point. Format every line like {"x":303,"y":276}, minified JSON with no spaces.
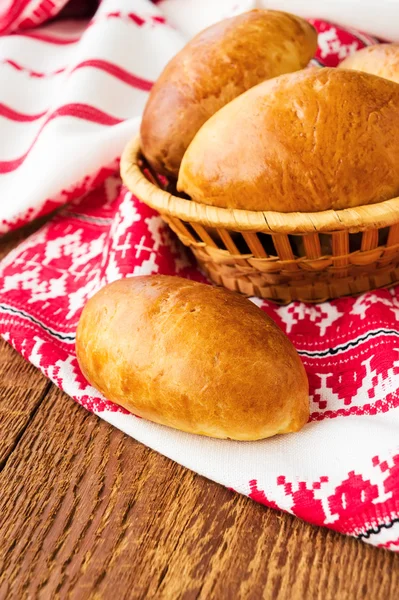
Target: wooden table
{"x":87,"y":512}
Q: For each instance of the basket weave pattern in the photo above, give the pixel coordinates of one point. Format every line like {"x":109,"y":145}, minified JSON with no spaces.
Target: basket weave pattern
{"x":282,"y":257}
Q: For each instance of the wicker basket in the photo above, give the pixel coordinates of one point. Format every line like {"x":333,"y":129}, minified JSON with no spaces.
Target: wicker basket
{"x":283,"y":257}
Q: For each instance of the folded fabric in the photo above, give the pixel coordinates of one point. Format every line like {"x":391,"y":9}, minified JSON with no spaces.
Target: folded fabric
{"x":74,"y":94}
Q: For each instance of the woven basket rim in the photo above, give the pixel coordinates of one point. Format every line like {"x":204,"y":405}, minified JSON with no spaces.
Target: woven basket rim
{"x":360,"y":218}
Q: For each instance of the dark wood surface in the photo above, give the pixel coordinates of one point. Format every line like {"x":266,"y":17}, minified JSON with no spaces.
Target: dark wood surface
{"x":87,"y":512}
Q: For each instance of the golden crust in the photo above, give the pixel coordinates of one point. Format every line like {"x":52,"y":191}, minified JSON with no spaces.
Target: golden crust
{"x":220,"y":63}
{"x":193,"y":357}
{"x":307,"y":141}
{"x":381,"y":60}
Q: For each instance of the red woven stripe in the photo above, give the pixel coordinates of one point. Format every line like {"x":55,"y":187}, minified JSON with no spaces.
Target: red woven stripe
{"x":43,"y":12}
{"x":157,"y":19}
{"x":118,"y":72}
{"x":104,"y":65}
{"x":14,"y":64}
{"x":79,"y":111}
{"x":13,"y":115}
{"x":136,"y":19}
{"x":48,"y":39}
{"x":15,"y":10}
{"x":32,"y":73}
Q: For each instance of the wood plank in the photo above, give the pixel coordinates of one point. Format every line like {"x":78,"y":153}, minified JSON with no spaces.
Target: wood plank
{"x":22,"y":388}
{"x":86,"y":512}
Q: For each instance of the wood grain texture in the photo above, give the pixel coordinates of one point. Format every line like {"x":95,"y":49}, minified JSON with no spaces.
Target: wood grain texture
{"x":18,"y":401}
{"x":88,"y":513}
